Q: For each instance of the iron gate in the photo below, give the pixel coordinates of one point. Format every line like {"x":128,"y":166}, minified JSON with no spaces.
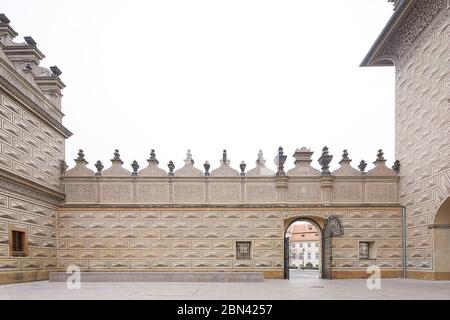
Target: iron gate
{"x":333,"y":228}
{"x":286,"y":258}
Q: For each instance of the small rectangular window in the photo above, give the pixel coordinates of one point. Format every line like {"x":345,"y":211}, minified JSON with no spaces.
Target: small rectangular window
{"x":367,"y":250}
{"x":243,"y":250}
{"x":19,"y":246}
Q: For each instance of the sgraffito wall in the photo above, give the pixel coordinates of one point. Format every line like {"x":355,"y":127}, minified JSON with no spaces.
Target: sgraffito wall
{"x":152,"y":220}
{"x":32,"y":146}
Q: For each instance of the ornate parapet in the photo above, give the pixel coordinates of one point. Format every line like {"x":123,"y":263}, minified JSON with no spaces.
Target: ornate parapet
{"x":190,"y":186}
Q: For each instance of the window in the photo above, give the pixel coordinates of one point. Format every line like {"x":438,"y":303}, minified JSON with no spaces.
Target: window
{"x":19,"y":245}
{"x":243,"y":250}
{"x":293,"y":256}
{"x":309,"y":255}
{"x":367,"y":250}
{"x":309,"y":244}
{"x":316,"y":255}
{"x":293,"y":245}
{"x":300,"y":256}
{"x":317,"y":244}
{"x":301,"y":244}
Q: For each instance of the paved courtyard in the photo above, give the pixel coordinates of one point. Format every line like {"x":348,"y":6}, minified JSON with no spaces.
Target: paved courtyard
{"x":299,"y":287}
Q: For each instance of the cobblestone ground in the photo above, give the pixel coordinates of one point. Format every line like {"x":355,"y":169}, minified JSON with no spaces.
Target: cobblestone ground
{"x":301,"y":286}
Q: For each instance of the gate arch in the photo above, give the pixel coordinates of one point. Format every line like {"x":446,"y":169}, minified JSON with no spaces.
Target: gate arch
{"x":441,"y":241}
{"x":288,"y":223}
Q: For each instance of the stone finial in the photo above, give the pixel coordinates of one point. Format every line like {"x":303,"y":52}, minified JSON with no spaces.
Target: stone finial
{"x":135,"y":166}
{"x":280,"y":160}
{"x":117,"y":156}
{"x":380,"y":167}
{"x":189,"y":159}
{"x":153,"y":157}
{"x":171,"y":166}
{"x":81,"y":157}
{"x":261,"y":159}
{"x":99,"y":166}
{"x":396,"y":167}
{"x":303,"y":155}
{"x":56,"y":71}
{"x":380,"y":156}
{"x":243,"y":166}
{"x":362,"y":166}
{"x":4,"y":19}
{"x":207,"y":166}
{"x":345,"y":157}
{"x":325,"y":161}
{"x":63,"y":167}
{"x":225,"y":159}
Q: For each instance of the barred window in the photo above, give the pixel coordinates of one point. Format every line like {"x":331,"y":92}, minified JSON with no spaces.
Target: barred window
{"x":243,"y":250}
{"x":364,"y":250}
{"x":19,"y":245}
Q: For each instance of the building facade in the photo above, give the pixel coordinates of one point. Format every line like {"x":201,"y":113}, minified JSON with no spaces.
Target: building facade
{"x":304,"y":242}
{"x":416,"y":41}
{"x":159,"y":219}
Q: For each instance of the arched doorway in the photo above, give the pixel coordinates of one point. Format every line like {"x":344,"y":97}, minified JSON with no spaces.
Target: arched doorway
{"x":441,"y":241}
{"x":327,"y":230}
{"x":303,"y":248}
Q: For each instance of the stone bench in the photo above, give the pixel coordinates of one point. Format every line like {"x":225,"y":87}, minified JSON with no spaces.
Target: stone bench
{"x":161,"y":277}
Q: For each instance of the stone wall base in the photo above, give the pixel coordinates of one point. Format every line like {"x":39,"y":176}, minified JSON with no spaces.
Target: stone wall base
{"x":161,"y":277}
{"x":22,"y":276}
{"x":356,"y":274}
{"x":426,"y":275}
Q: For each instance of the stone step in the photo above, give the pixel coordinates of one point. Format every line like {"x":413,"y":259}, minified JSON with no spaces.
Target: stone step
{"x":161,"y":277}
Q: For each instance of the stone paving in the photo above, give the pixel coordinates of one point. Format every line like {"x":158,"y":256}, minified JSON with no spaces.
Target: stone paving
{"x":301,"y":286}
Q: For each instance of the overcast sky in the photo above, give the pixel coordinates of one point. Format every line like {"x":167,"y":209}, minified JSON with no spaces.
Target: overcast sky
{"x":212,"y":75}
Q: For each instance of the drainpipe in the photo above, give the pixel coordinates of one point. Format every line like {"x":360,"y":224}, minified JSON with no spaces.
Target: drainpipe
{"x":404,"y":239}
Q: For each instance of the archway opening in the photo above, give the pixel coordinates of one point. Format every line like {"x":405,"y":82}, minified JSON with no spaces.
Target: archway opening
{"x":303,"y":249}
{"x":441,"y":241}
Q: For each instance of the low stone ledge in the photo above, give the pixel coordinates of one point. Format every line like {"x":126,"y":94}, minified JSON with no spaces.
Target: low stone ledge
{"x":161,"y":277}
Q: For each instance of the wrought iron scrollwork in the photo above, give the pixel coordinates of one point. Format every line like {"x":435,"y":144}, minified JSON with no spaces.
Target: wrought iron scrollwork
{"x":333,"y":227}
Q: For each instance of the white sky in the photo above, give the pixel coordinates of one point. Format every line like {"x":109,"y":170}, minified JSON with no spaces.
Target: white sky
{"x":211,"y":75}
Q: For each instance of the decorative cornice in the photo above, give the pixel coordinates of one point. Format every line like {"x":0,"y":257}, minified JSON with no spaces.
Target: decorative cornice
{"x":19,"y":97}
{"x":14,"y":183}
{"x":409,"y":21}
{"x":283,"y":206}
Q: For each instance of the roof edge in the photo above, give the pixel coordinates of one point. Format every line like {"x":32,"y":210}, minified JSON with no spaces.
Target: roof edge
{"x":367,"y":61}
